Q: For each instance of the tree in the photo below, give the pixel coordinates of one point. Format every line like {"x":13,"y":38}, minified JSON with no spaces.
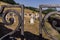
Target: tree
{"x":9,"y":1}
{"x":49,"y":10}
{"x":32,"y":8}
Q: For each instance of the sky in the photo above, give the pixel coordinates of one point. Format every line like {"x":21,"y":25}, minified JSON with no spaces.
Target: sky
{"x":36,"y":3}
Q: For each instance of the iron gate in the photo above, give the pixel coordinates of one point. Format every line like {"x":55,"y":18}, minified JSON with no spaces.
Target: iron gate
{"x":21,"y":19}
{"x":11,"y":20}
{"x":42,"y":20}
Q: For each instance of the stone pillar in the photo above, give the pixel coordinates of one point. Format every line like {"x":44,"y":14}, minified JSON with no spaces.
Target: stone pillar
{"x":32,"y":19}
{"x":36,"y":15}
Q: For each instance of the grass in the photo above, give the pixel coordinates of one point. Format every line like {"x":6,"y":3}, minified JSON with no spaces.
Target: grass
{"x":34,"y":28}
{"x":58,"y":36}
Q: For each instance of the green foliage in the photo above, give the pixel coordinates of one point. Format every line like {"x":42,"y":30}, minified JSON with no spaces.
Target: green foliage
{"x":48,"y":10}
{"x":32,"y":8}
{"x":13,"y":2}
{"x":9,"y":1}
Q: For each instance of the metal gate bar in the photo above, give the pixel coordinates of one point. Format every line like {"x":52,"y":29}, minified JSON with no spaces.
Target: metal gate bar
{"x":22,"y":27}
{"x":22,"y":15}
{"x":40,"y":14}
